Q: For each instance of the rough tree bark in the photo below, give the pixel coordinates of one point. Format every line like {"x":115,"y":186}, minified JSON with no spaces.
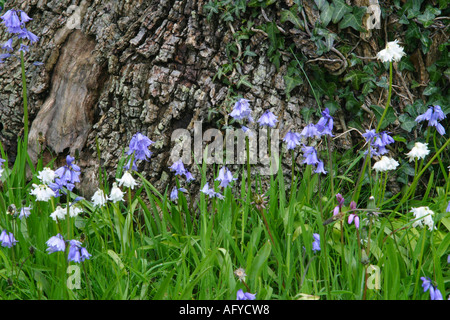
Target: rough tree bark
{"x":135,"y":66}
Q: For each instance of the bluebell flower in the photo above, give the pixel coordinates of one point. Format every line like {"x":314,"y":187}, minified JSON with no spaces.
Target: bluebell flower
{"x":1,"y":166}
{"x":268,"y":119}
{"x":448,"y":207}
{"x":7,"y":239}
{"x":210,"y":192}
{"x":310,"y":155}
{"x":325,"y":124}
{"x":225,"y":177}
{"x":178,"y":167}
{"x":378,"y":142}
{"x":69,"y":174}
{"x":26,"y":34}
{"x":12,"y":21}
{"x":320,"y":168}
{"x":435,"y":293}
{"x":24,"y":17}
{"x":310,"y":131}
{"x":57,"y":187}
{"x":4,"y":56}
{"x":133,"y":166}
{"x":24,"y":212}
{"x":189,"y":176}
{"x":370,"y":135}
{"x":242,"y":111}
{"x":8,"y":45}
{"x":241,"y":295}
{"x":77,"y":253}
{"x":174,"y":193}
{"x":139,"y":145}
{"x":180,"y":170}
{"x":316,"y":242}
{"x":433,"y":115}
{"x":24,"y":48}
{"x":55,"y":244}
{"x":292,"y":139}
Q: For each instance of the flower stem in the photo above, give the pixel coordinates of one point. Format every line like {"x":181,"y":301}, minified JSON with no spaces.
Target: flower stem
{"x":25,"y":101}
{"x":388,"y":99}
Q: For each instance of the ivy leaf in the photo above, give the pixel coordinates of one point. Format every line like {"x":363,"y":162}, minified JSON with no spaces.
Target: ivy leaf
{"x":340,"y":9}
{"x":291,"y":16}
{"x":353,"y":20}
{"x":326,"y":14}
{"x":407,"y":123}
{"x":291,"y":82}
{"x":320,"y":3}
{"x":357,"y":77}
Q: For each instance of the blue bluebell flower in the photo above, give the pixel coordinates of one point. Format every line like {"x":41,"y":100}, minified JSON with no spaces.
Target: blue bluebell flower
{"x":24,"y":48}
{"x":268,"y":119}
{"x":24,"y":212}
{"x":433,"y":115}
{"x":377,"y":142}
{"x":68,"y":174}
{"x":12,"y":21}
{"x":310,"y":131}
{"x":174,"y":193}
{"x":55,"y":244}
{"x":225,"y":177}
{"x":292,"y":139}
{"x":241,"y":295}
{"x":77,"y":253}
{"x":189,"y":176}
{"x":316,"y":242}
{"x":435,"y":293}
{"x":7,"y":239}
{"x":24,"y":17}
{"x":139,"y":145}
{"x":178,"y":167}
{"x":26,"y":34}
{"x":310,"y":155}
{"x":8,"y":45}
{"x":320,"y":168}
{"x":242,"y":111}
{"x":325,"y":124}
{"x":210,"y":192}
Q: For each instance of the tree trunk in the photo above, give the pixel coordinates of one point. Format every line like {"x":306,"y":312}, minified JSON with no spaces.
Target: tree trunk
{"x":114,"y":68}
